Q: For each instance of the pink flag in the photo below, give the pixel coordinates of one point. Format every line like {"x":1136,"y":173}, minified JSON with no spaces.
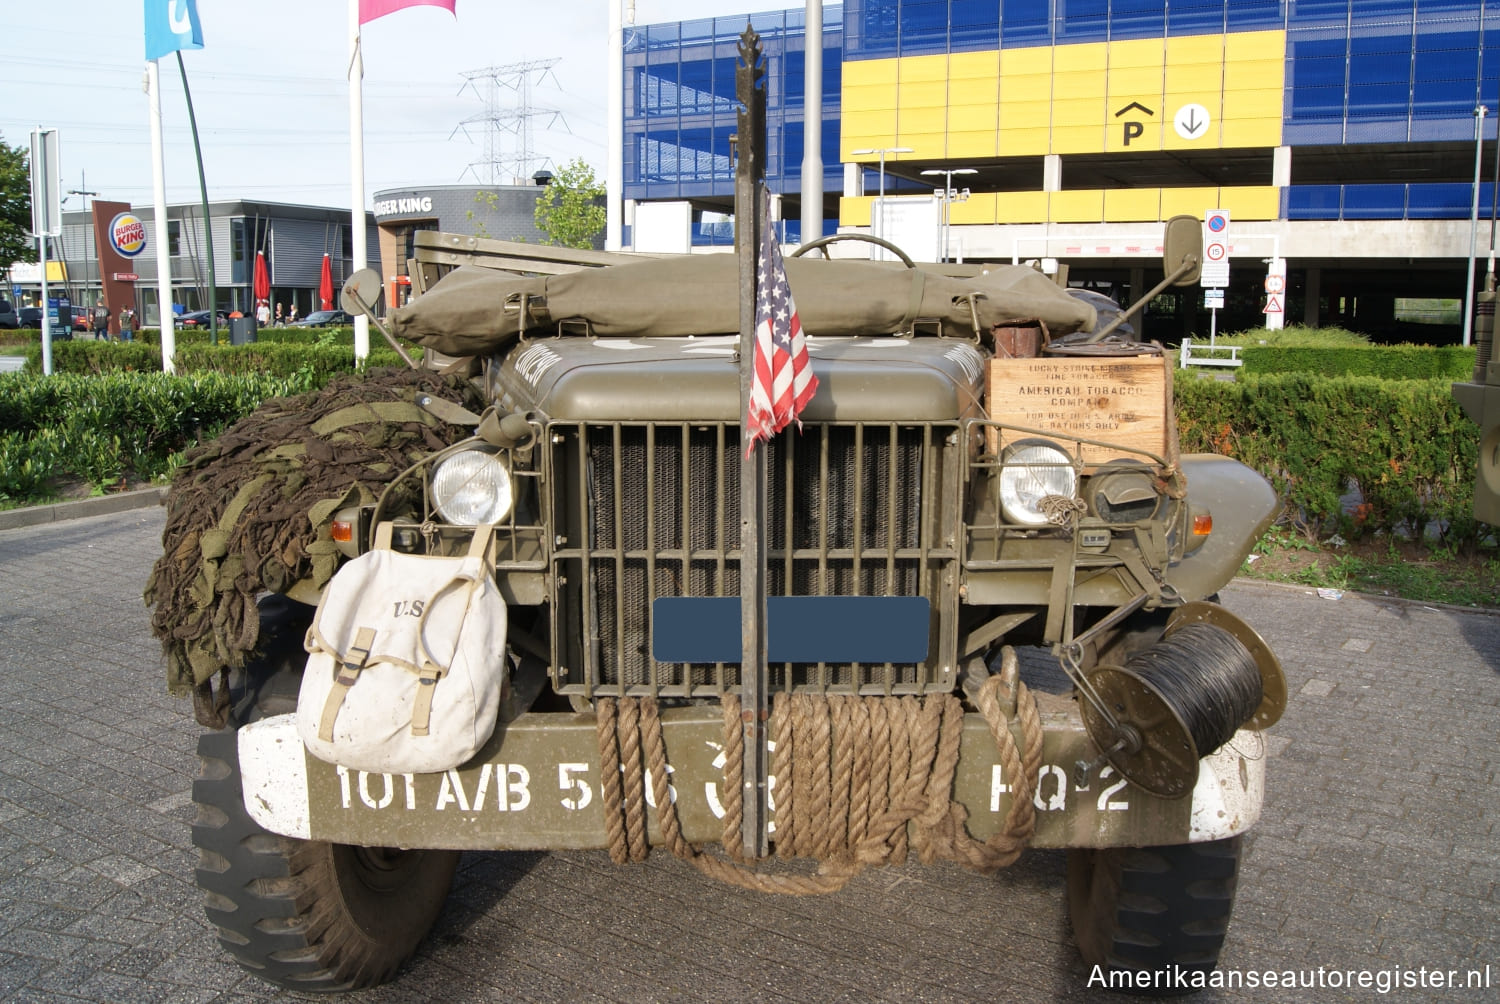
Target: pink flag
{"x":369,"y":10}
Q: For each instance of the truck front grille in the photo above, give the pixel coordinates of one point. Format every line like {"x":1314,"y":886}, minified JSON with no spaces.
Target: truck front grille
{"x":653,"y":510}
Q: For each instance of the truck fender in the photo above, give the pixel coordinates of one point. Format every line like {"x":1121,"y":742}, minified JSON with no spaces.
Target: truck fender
{"x":1243,"y":506}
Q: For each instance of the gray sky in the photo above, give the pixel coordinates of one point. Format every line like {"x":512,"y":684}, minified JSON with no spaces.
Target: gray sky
{"x":270,"y":95}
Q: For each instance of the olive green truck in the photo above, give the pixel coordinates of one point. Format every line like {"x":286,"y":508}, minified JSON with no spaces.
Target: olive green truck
{"x":992,"y":625}
{"x":1480,"y":400}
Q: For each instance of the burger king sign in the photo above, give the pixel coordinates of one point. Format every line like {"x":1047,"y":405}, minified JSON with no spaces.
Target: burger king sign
{"x":127,"y":234}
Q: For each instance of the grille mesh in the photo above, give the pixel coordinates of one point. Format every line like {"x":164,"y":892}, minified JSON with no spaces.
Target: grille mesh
{"x":663,"y":505}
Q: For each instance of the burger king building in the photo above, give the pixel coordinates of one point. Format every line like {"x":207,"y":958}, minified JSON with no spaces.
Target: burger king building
{"x":504,"y":212}
{"x":122,"y":266}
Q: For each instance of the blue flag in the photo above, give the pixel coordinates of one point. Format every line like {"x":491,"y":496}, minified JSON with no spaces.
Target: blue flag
{"x":172,"y":25}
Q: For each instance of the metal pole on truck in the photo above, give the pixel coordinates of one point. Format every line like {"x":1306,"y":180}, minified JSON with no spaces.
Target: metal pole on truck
{"x":754,"y":670}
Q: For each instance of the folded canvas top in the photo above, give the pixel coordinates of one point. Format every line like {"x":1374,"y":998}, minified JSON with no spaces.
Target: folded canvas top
{"x":475,"y":310}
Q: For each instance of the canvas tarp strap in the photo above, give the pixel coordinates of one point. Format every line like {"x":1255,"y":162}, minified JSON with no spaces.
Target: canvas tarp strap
{"x":349,"y":667}
{"x":475,"y":310}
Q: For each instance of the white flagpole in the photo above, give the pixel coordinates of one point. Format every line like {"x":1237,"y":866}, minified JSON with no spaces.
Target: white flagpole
{"x":614,"y":168}
{"x":159,"y":196}
{"x":357,"y":173}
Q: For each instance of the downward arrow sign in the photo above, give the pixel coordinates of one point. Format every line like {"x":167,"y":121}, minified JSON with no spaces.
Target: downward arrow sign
{"x":1191,"y":121}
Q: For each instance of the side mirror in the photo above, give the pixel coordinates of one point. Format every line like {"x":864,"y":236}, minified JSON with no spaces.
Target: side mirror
{"x":1182,"y":244}
{"x":361,"y":292}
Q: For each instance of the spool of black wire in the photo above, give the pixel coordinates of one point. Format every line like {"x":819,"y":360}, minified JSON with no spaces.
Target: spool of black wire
{"x":1207,"y":677}
{"x":1183,"y":698}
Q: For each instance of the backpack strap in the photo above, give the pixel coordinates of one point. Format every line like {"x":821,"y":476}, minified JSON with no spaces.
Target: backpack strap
{"x":349,"y":667}
{"x":421,"y":708}
{"x":431,"y":673}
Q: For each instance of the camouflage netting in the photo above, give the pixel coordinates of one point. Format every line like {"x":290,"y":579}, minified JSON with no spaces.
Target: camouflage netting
{"x":250,"y":512}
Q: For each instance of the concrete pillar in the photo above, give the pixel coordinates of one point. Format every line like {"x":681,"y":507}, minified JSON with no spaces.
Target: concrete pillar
{"x":1052,"y":173}
{"x":1312,"y":291}
{"x":1281,"y":166}
{"x":854,"y":181}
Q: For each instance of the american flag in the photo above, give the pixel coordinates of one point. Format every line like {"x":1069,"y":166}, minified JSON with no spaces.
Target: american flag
{"x":783,"y":380}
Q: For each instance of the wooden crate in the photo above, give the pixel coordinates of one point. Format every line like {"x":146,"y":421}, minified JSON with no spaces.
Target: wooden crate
{"x":1118,"y":399}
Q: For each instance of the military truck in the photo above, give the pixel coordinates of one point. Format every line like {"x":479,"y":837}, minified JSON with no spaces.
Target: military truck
{"x":1480,"y":400}
{"x":985,"y":477}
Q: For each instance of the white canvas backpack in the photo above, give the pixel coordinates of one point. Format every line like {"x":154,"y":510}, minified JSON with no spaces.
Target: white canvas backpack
{"x":407,"y":661}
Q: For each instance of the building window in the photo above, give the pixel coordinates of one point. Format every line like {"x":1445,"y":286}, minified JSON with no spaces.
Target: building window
{"x":237,"y":240}
{"x":174,"y":238}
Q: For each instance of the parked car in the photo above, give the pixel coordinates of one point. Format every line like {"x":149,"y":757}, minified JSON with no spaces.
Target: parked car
{"x":8,"y":318}
{"x":324,"y":319}
{"x":31,"y":317}
{"x":199,"y":319}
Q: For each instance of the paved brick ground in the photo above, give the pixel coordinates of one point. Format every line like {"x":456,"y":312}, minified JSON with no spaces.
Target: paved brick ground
{"x":1376,"y":849}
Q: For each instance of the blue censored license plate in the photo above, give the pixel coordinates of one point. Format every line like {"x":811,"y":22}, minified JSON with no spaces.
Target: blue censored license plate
{"x":836,"y":629}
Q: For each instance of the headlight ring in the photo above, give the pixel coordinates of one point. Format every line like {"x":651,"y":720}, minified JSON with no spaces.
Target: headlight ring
{"x":1032,"y":471}
{"x":471,"y":487}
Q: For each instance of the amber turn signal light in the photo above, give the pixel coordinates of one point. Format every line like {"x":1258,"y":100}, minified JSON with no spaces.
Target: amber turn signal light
{"x":1203,"y":524}
{"x":343,"y":531}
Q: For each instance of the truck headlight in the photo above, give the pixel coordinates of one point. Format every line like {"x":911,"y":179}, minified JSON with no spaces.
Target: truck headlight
{"x":472,"y":487}
{"x":1034,"y":470}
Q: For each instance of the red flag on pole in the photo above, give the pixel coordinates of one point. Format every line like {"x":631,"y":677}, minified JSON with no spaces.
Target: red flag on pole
{"x":325,"y":286}
{"x":262,"y":278}
{"x":783,"y":380}
{"x":369,"y":10}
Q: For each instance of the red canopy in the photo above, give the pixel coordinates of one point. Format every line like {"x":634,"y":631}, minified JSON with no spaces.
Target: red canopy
{"x":325,"y":286}
{"x":262,"y":285}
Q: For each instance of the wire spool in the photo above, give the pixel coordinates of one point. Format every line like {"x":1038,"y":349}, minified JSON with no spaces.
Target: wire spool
{"x":1183,"y":698}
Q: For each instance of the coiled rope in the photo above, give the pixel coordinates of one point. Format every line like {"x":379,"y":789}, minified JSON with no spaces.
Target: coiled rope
{"x":854,"y":775}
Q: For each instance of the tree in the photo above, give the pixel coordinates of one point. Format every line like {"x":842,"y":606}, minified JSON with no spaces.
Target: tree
{"x":571,"y":211}
{"x":16,"y":243}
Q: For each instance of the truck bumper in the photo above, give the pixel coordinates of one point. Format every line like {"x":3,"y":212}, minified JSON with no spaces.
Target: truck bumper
{"x":535,"y":787}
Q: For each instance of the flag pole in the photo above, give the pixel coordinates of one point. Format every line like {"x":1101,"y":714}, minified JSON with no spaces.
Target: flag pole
{"x":159,"y":201}
{"x":754,"y":670}
{"x":208,"y":228}
{"x":357,"y":175}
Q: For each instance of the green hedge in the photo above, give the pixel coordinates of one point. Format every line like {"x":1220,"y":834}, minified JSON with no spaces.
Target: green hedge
{"x":276,"y":359}
{"x":1393,"y":362}
{"x":298,"y":336}
{"x":1404,"y":444}
{"x":103,"y":428}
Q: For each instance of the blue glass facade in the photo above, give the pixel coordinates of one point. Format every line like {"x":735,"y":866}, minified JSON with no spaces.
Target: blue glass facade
{"x":680,"y":108}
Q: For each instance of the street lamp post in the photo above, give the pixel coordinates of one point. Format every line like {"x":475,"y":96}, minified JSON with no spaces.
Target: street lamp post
{"x":879,"y":227}
{"x":1479,"y":114}
{"x":948,"y":196}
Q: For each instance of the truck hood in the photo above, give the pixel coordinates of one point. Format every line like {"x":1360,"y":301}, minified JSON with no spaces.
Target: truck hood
{"x":690,"y":379}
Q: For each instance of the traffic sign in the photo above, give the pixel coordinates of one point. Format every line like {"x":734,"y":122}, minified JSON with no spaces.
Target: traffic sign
{"x":1213,"y":299}
{"x":1191,"y":121}
{"x":1276,"y":294}
{"x":1215,"y":249}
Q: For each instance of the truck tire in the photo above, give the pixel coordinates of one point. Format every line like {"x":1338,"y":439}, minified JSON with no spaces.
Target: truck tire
{"x":1162,"y":911}
{"x":302,"y":914}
